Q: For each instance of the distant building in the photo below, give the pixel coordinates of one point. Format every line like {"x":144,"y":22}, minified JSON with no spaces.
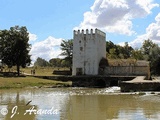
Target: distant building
{"x":89,"y":47}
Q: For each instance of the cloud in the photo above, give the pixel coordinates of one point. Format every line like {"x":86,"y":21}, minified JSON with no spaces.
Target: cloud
{"x":32,"y":37}
{"x":116,"y":15}
{"x":152,"y":33}
{"x":46,"y":49}
{"x":137,"y":43}
{"x":153,"y":30}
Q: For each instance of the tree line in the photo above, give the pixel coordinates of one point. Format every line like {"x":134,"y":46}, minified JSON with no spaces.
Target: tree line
{"x":54,"y":62}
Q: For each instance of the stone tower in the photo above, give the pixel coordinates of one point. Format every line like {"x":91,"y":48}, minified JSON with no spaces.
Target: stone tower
{"x":89,"y":47}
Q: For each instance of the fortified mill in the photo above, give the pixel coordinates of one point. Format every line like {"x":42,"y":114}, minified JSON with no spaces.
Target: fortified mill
{"x":89,"y":67}
{"x":89,"y":47}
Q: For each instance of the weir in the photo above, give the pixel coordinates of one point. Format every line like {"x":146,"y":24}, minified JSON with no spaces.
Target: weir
{"x":90,"y":81}
{"x":126,"y":83}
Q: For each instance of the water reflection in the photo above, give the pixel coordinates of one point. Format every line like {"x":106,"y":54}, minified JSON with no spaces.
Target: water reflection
{"x":16,"y":107}
{"x":113,"y":107}
{"x":78,"y":104}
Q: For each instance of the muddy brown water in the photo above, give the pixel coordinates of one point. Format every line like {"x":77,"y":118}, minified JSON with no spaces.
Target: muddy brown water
{"x":77,"y":104}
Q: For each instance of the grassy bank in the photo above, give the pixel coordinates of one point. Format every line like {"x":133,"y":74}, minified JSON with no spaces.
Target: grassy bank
{"x":42,"y":71}
{"x":22,"y":82}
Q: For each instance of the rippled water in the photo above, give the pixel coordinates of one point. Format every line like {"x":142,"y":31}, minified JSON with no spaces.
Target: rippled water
{"x":77,"y":104}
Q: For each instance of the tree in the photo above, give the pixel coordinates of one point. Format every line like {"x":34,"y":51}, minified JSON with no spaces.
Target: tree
{"x":15,"y":47}
{"x":127,"y":50}
{"x":117,"y":51}
{"x":112,"y":50}
{"x":55,"y":62}
{"x":109,"y":45}
{"x":151,"y":52}
{"x":67,"y":51}
{"x":65,"y":63}
{"x":5,"y":45}
{"x":112,"y":54}
{"x":154,"y":58}
{"x":137,"y":54}
{"x":41,"y":62}
{"x":146,"y":48}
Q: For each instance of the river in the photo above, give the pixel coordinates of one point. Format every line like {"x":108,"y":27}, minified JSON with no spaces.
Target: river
{"x":78,"y":104}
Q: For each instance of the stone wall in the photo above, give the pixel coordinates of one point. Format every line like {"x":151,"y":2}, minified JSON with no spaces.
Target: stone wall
{"x":128,"y":71}
{"x":144,"y":86}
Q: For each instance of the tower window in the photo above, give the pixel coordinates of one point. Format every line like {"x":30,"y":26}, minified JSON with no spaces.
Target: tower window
{"x":81,"y":48}
{"x":78,"y":71}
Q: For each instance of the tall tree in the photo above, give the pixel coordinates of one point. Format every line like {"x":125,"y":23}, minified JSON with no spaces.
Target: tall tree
{"x":154,"y":58}
{"x":5,"y":46}
{"x":146,"y":48}
{"x":151,"y":52}
{"x":15,"y":47}
{"x":67,"y":51}
{"x":127,"y":50}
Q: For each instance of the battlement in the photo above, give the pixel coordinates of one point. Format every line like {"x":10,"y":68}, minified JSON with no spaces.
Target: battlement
{"x":91,"y":32}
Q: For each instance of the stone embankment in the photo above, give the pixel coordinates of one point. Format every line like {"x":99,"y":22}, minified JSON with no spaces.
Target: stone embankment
{"x":140,"y":84}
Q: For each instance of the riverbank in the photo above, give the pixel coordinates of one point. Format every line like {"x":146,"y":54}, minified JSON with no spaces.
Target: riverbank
{"x":29,"y":81}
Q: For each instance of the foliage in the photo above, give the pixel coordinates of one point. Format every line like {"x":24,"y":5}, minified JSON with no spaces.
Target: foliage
{"x":55,"y":62}
{"x":149,"y":52}
{"x":41,"y":62}
{"x":137,"y":54}
{"x":103,"y":63}
{"x":117,"y":51}
{"x":14,"y":48}
{"x":147,"y":46}
{"x":67,"y":51}
{"x":154,"y":58}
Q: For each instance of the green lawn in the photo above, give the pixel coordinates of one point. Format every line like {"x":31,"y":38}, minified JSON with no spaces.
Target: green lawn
{"x":21,"y":82}
{"x":42,"y":71}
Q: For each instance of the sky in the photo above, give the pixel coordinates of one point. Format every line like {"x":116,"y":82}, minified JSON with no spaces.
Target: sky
{"x":51,"y":21}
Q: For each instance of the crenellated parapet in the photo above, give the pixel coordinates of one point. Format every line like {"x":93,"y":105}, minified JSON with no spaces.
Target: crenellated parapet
{"x":89,"y":32}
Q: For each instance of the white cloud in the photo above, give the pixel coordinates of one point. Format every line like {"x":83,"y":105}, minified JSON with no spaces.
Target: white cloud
{"x":32,"y":37}
{"x":153,"y":30}
{"x":46,"y":49}
{"x":152,"y":33}
{"x":116,"y":15}
{"x":137,"y":43}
